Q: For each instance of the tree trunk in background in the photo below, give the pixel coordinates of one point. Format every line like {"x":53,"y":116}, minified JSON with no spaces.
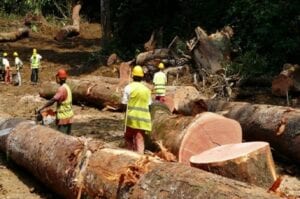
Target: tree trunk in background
{"x":71,"y":30}
{"x":14,"y":35}
{"x":71,"y":166}
{"x":249,"y":162}
{"x":277,"y":125}
{"x":105,"y":20}
{"x":188,"y":136}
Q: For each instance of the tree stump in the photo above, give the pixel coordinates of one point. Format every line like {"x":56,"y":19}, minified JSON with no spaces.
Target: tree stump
{"x":249,"y":162}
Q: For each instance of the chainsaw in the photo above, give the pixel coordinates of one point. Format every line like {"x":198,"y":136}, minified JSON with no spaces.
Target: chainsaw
{"x":45,"y":117}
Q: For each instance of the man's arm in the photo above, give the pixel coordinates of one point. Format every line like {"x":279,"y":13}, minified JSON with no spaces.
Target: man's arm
{"x":49,"y":103}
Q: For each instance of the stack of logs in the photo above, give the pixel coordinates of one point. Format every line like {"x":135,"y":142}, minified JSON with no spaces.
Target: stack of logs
{"x":75,"y":167}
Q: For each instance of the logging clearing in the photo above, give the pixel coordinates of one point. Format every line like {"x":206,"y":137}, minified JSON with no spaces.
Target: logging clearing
{"x":39,"y":155}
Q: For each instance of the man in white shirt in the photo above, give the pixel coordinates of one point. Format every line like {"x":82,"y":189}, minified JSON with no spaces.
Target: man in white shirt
{"x":6,"y":65}
{"x":18,"y":65}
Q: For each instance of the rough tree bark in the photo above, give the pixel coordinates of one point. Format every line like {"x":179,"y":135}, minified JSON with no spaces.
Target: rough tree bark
{"x":71,"y":30}
{"x":250,"y":162}
{"x":188,"y":136}
{"x":14,"y":35}
{"x":153,"y":56}
{"x":277,"y":125}
{"x":74,"y":167}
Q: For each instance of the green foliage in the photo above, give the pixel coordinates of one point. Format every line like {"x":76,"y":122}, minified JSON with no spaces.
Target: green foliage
{"x":266,"y":34}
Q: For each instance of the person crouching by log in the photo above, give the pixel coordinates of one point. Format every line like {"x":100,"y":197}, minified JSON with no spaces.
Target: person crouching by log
{"x":63,"y":98}
{"x":137,"y":99}
{"x":160,"y":81}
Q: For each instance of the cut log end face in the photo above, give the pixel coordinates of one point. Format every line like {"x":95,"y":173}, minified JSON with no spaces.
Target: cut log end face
{"x":208,"y":130}
{"x":250,"y":162}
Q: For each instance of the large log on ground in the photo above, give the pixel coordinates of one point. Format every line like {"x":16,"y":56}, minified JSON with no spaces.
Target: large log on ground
{"x":107,"y":92}
{"x":185,"y":100}
{"x":98,"y":94}
{"x":157,"y":54}
{"x":75,"y":167}
{"x":188,"y":136}
{"x":14,"y":35}
{"x":249,"y":162}
{"x":277,"y":125}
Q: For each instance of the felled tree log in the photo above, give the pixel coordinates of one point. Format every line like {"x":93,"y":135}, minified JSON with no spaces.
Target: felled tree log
{"x":277,"y":125}
{"x":14,"y":35}
{"x":98,"y":94}
{"x":155,"y":55}
{"x":185,"y":100}
{"x":249,"y":162}
{"x":71,"y":30}
{"x":107,"y":92}
{"x":188,"y":136}
{"x":74,"y":167}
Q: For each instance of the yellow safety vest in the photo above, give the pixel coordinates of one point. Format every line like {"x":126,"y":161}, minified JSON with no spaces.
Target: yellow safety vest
{"x":35,"y":62}
{"x":64,"y":109}
{"x":138,"y":114}
{"x":160,"y":83}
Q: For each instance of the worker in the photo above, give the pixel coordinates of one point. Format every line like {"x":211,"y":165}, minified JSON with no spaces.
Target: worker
{"x":35,"y":61}
{"x":160,"y":81}
{"x":63,"y":98}
{"x":19,"y":66}
{"x":137,"y":98}
{"x":7,"y":69}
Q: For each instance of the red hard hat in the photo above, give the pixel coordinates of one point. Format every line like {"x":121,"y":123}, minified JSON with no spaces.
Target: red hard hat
{"x":62,"y":74}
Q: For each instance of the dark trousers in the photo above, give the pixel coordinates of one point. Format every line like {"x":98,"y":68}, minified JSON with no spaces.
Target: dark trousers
{"x":65,"y":128}
{"x":34,"y":75}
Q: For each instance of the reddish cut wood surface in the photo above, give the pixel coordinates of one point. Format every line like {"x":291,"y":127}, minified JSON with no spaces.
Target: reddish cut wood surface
{"x":208,"y":130}
{"x":227,"y":152}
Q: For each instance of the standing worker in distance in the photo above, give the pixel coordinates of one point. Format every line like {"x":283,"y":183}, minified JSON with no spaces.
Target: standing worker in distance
{"x":63,"y":97}
{"x":35,"y":61}
{"x":137,"y":97}
{"x":160,"y":81}
{"x":19,"y":66}
{"x":7,"y":69}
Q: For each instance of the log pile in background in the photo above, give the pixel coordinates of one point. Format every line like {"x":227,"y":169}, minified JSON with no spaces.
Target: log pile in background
{"x":73,"y":167}
{"x":277,"y":125}
{"x":187,"y":136}
{"x":14,"y":35}
{"x":249,"y":162}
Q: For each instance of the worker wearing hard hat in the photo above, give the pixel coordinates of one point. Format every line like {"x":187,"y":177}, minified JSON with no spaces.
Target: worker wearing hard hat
{"x":160,"y":81}
{"x":19,"y":66}
{"x":137,"y":97}
{"x":5,"y":62}
{"x":35,"y":61}
{"x":63,"y":98}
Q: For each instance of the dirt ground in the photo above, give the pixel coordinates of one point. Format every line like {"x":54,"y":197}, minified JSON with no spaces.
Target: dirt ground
{"x":73,"y":54}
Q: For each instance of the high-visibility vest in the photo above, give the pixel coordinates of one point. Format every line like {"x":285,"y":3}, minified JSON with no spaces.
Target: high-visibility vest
{"x":35,"y":61}
{"x":160,"y":83}
{"x":138,"y":114}
{"x":64,"y":109}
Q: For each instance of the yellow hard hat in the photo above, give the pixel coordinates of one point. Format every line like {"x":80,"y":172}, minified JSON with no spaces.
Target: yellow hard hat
{"x":34,"y":51}
{"x":161,"y":65}
{"x":5,"y":54}
{"x":16,"y":54}
{"x":138,"y":71}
